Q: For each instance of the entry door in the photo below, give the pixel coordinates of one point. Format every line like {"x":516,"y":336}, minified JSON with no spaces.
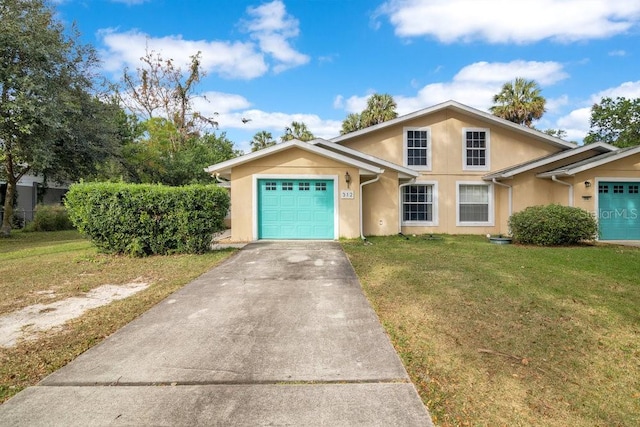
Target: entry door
{"x":296,"y":209}
{"x":618,"y":206}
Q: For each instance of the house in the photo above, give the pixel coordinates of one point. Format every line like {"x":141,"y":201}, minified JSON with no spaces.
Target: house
{"x":31,"y":191}
{"x":445,"y":169}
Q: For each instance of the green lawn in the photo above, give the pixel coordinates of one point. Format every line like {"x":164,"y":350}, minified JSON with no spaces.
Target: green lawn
{"x":509,"y":335}
{"x":69,"y":265}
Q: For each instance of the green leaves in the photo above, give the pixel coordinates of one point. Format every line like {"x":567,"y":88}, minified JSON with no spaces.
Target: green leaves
{"x":519,"y":102}
{"x":552,"y":225}
{"x":616,"y":122}
{"x":147,"y":219}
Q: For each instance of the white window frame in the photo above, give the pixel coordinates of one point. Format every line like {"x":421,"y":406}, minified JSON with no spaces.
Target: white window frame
{"x":491,"y":200}
{"x":434,"y":216}
{"x":487,"y":150}
{"x":405,"y":148}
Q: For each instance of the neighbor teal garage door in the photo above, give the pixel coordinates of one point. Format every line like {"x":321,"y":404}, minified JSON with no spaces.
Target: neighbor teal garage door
{"x":295,"y":209}
{"x":618,"y":210}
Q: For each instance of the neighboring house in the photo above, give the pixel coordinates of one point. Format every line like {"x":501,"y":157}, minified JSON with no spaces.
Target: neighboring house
{"x":31,"y":191}
{"x":445,"y":169}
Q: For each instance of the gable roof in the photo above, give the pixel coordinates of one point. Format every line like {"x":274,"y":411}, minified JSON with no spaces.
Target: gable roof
{"x":453,"y":105}
{"x":591,"y":163}
{"x":511,"y":171}
{"x":224,"y":168}
{"x":403,"y":171}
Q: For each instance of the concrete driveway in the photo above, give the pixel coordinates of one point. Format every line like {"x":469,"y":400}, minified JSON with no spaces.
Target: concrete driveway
{"x":279,"y":334}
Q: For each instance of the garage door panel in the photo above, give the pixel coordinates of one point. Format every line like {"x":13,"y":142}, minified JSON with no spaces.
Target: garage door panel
{"x":618,"y":213}
{"x":295,"y":209}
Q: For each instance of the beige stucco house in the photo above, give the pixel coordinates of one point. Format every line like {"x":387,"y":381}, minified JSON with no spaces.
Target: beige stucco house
{"x":445,"y":169}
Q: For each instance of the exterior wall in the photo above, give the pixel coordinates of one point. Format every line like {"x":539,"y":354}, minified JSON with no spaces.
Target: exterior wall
{"x":507,"y":148}
{"x":380,"y":206}
{"x":292,"y":162}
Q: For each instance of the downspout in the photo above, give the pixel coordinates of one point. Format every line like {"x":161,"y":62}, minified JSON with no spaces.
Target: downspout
{"x":362,"y":184}
{"x":496,"y":182}
{"x":554,"y":179}
{"x":411,"y":182}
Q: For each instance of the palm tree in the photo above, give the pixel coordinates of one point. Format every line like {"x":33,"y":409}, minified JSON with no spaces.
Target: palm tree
{"x":299,"y":131}
{"x":381,"y":107}
{"x":519,"y":102}
{"x":351,"y":124}
{"x":262,"y":139}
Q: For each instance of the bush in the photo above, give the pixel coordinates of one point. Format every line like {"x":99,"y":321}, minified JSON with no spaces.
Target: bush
{"x":50,"y":218}
{"x":552,"y":225}
{"x":147,"y":219}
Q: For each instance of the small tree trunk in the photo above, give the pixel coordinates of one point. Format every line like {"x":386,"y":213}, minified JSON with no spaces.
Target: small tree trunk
{"x":5,"y":230}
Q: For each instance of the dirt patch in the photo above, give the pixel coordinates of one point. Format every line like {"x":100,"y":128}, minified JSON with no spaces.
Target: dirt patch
{"x":26,"y":323}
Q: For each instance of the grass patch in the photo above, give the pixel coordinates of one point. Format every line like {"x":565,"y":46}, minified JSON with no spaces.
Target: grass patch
{"x":69,"y":265}
{"x":513,"y":335}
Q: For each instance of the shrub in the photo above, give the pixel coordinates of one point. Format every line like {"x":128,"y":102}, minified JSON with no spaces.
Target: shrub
{"x":552,"y":225}
{"x":50,"y":218}
{"x":144,"y":219}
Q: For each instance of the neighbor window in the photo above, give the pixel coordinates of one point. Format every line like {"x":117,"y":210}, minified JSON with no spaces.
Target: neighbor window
{"x":474,"y":204}
{"x":417,"y":148}
{"x":475,"y":151}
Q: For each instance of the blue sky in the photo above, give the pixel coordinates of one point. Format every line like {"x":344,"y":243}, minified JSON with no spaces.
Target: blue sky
{"x":318,"y":60}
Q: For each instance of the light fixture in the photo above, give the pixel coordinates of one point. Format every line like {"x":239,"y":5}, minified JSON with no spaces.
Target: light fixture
{"x":587,"y":184}
{"x":347,"y":179}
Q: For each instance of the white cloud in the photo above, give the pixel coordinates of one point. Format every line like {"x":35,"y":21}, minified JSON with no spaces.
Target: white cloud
{"x":229,"y":59}
{"x":273,"y":27}
{"x":618,"y":53}
{"x":270,"y":30}
{"x":474,"y":85}
{"x":511,"y":21}
{"x":275,"y":122}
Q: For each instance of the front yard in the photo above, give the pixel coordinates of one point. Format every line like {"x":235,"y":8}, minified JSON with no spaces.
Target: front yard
{"x":495,"y":335}
{"x":45,"y":267}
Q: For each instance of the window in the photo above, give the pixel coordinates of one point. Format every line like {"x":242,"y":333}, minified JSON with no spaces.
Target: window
{"x":603,"y":188}
{"x":303,"y":186}
{"x":419,"y":204}
{"x":618,"y":189}
{"x":270,"y":186}
{"x":321,"y":186}
{"x":287,"y":186}
{"x":633,"y":189}
{"x":475,"y":204}
{"x":417,"y":148}
{"x":475,"y":150}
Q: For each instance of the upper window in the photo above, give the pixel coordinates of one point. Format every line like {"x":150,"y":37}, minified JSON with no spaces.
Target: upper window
{"x":475,"y":204}
{"x":417,"y":148}
{"x":475,"y":150}
{"x":419,"y":204}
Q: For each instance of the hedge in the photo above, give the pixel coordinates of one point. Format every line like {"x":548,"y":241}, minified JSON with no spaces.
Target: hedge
{"x":50,"y":218}
{"x":552,"y":225}
{"x":145,"y":219}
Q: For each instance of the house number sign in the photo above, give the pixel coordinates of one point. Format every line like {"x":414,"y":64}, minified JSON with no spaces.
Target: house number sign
{"x":346,"y":194}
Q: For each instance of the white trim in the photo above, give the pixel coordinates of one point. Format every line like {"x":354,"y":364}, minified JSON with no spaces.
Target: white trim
{"x":596,"y":204}
{"x":555,"y":179}
{"x":454,"y":105}
{"x":405,"y":157}
{"x":586,"y":165}
{"x":487,"y":149}
{"x":491,"y":202}
{"x":336,"y":200}
{"x":553,"y":158}
{"x":434,"y":204}
{"x":226,"y":166}
{"x":365,"y":157}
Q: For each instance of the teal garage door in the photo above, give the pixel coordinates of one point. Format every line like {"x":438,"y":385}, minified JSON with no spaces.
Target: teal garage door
{"x":618,"y":210}
{"x":295,"y":209}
